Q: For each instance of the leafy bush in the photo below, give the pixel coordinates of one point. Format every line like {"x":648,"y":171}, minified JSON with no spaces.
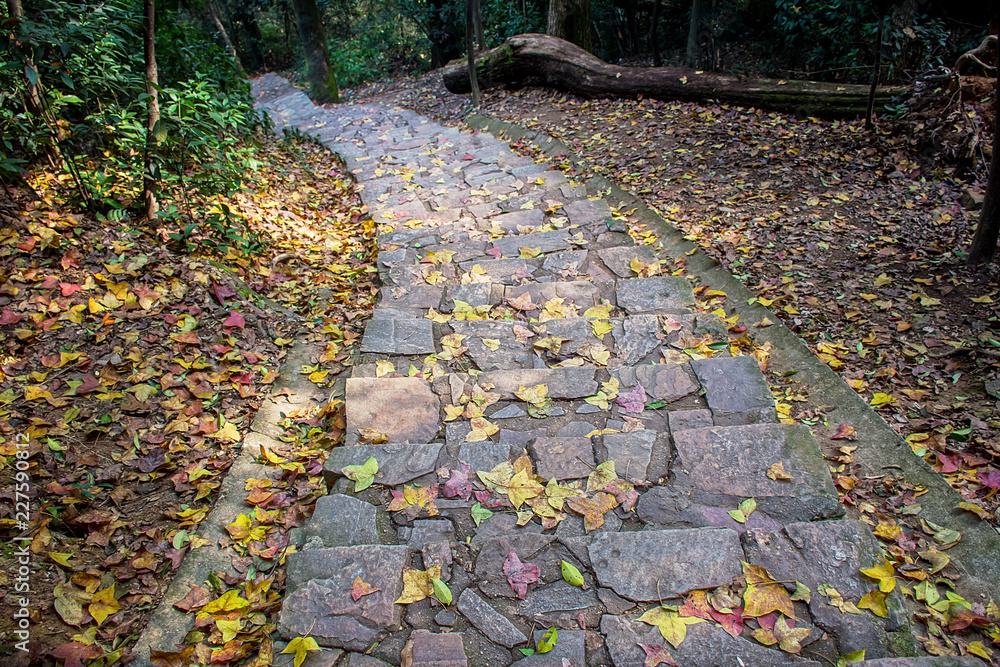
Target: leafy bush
{"x":89,"y":114}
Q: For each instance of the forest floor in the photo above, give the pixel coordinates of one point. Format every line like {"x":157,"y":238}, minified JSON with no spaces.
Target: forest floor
{"x":853,"y":238}
{"x":135,"y":371}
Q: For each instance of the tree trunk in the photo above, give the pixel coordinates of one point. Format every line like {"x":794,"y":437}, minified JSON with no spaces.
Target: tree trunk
{"x":984,"y":243}
{"x":691,"y":59}
{"x":14,"y":8}
{"x":153,"y":110}
{"x":470,"y":46}
{"x":875,"y":73}
{"x":654,"y":36}
{"x":632,"y":26}
{"x":213,"y":10}
{"x":477,"y":15}
{"x":570,"y":20}
{"x":322,"y":81}
{"x":534,"y":58}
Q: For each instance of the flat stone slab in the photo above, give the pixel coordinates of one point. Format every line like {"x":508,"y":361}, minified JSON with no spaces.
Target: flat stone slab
{"x":569,"y":651}
{"x":554,"y":598}
{"x":568,"y":262}
{"x":489,"y":562}
{"x":341,"y":521}
{"x":662,"y":382}
{"x":656,"y":564}
{"x":586,"y":211}
{"x":575,"y":332}
{"x":561,"y":382}
{"x":683,"y":420}
{"x":398,"y":463}
{"x":509,"y":222}
{"x":578,"y":292}
{"x":563,"y":458}
{"x":487,"y":455}
{"x":414,"y":296}
{"x":619,"y":258}
{"x":489,"y":621}
{"x":501,"y":270}
{"x":726,"y":465}
{"x":509,"y":353}
{"x":660,"y":294}
{"x":736,"y":391}
{"x":404,"y":409}
{"x":705,"y":645}
{"x":318,"y":601}
{"x":925,"y":661}
{"x":545,"y":242}
{"x":399,"y":336}
{"x":430,"y":649}
{"x":637,"y":338}
{"x":631,"y":452}
{"x":830,"y":552}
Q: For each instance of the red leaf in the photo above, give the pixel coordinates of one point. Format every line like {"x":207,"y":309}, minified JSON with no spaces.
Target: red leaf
{"x":195,"y":599}
{"x":234,"y":320}
{"x":657,"y":655}
{"x":519,"y":574}
{"x":845,"y":432}
{"x":990,"y":479}
{"x":9,"y":317}
{"x":468,"y":156}
{"x":90,"y":383}
{"x":948,"y":463}
{"x":222,"y":292}
{"x":458,"y":485}
{"x":69,"y":288}
{"x":74,"y":653}
{"x":70,"y":260}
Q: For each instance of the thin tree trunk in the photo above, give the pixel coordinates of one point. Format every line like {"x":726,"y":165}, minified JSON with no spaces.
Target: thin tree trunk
{"x":632,"y":27}
{"x":570,"y":20}
{"x":14,"y":8}
{"x":692,"y":46}
{"x":470,"y":47}
{"x":875,"y":73}
{"x":322,"y":81}
{"x":213,"y":10}
{"x":477,"y":14}
{"x":984,"y":243}
{"x":654,"y":37}
{"x":153,"y":106}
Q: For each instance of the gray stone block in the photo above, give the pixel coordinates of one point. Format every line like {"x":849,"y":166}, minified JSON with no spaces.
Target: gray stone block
{"x":510,"y":246}
{"x":404,"y":409}
{"x":683,"y":420}
{"x":661,"y":294}
{"x":736,"y":390}
{"x":619,"y":259}
{"x":571,"y":382}
{"x":488,"y":620}
{"x":631,"y":452}
{"x":398,"y":463}
{"x":398,"y":336}
{"x":341,"y":521}
{"x":563,"y":457}
{"x":414,"y":296}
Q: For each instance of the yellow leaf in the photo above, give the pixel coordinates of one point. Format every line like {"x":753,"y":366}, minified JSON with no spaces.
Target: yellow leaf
{"x":884,"y":574}
{"x":103,"y":604}
{"x":777,"y":472}
{"x":481,"y":430}
{"x":453,"y":412}
{"x":61,"y":558}
{"x":229,"y":629}
{"x":228,"y":433}
{"x":228,"y":601}
{"x":982,"y":299}
{"x":672,"y":625}
{"x":301,"y":647}
{"x":880,"y":399}
{"x":601,"y":327}
{"x":875,"y":602}
{"x":418,"y":584}
{"x":492,"y":343}
{"x":528,"y":253}
{"x":522,"y":487}
{"x":318,"y":377}
{"x":383,"y":368}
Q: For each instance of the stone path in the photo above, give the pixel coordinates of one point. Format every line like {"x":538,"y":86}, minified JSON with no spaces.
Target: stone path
{"x":515,"y":343}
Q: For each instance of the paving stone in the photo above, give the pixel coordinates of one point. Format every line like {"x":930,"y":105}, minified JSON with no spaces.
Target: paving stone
{"x":474,"y":294}
{"x":587,"y":409}
{"x":569,"y":651}
{"x":341,"y":521}
{"x":563,"y":458}
{"x":487,"y":455}
{"x":318,"y":601}
{"x":509,"y":412}
{"x":446,"y":618}
{"x":438,"y":553}
{"x":576,"y":429}
{"x":619,"y":259}
{"x":431,"y":531}
{"x":637,"y":338}
{"x":520,"y":438}
{"x":510,"y":353}
{"x":409,"y":275}
{"x":405,"y":409}
{"x":705,"y":645}
{"x":661,"y":294}
{"x":429,"y":649}
{"x":399,"y":336}
{"x":557,"y":597}
{"x":736,"y":390}
{"x":575,"y":332}
{"x":510,"y":246}
{"x":728,"y":464}
{"x":830,"y":552}
{"x":662,"y":382}
{"x":571,"y":382}
{"x":568,"y":262}
{"x":398,"y":463}
{"x":510,"y":222}
{"x":490,"y":622}
{"x":415,"y":296}
{"x":656,"y":564}
{"x":631,"y":452}
{"x":501,"y":270}
{"x":614,"y":603}
{"x":395,"y":212}
{"x":326,"y":657}
{"x":683,"y":420}
{"x":580,"y":293}
{"x":489,"y":562}
{"x":584,"y":212}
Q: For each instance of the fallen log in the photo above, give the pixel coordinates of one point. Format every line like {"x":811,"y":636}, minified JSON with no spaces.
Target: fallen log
{"x":550,"y":61}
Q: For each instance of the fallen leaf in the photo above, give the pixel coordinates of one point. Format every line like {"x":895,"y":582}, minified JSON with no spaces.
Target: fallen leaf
{"x":103,"y":604}
{"x":673,"y":626}
{"x":763,"y":594}
{"x":301,"y":647}
{"x":360,"y":588}
{"x":362,"y":475}
{"x":519,"y":574}
{"x":418,"y":584}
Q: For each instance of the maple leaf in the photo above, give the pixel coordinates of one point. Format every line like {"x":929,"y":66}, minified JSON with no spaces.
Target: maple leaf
{"x":874,"y":601}
{"x":103,"y":604}
{"x":458,"y":484}
{"x":413,"y":499}
{"x":360,"y":588}
{"x":480,"y":513}
{"x":763,"y":594}
{"x":556,"y":494}
{"x":633,"y":401}
{"x":522,"y":302}
{"x":418,"y":584}
{"x":523,"y":487}
{"x":227,"y":602}
{"x":746,"y":508}
{"x":520,"y":574}
{"x":243,"y":531}
{"x":593,"y":509}
{"x":884,"y":574}
{"x":777,"y":472}
{"x":482,"y":429}
{"x":362,"y":475}
{"x":837,"y":600}
{"x":301,"y":647}
{"x":673,"y":626}
{"x":789,"y":637}
{"x":657,"y":655}
{"x":602,"y":475}
{"x":537,"y":395}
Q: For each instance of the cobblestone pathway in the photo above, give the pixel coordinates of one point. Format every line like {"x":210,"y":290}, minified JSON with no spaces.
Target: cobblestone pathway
{"x":467,"y":226}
